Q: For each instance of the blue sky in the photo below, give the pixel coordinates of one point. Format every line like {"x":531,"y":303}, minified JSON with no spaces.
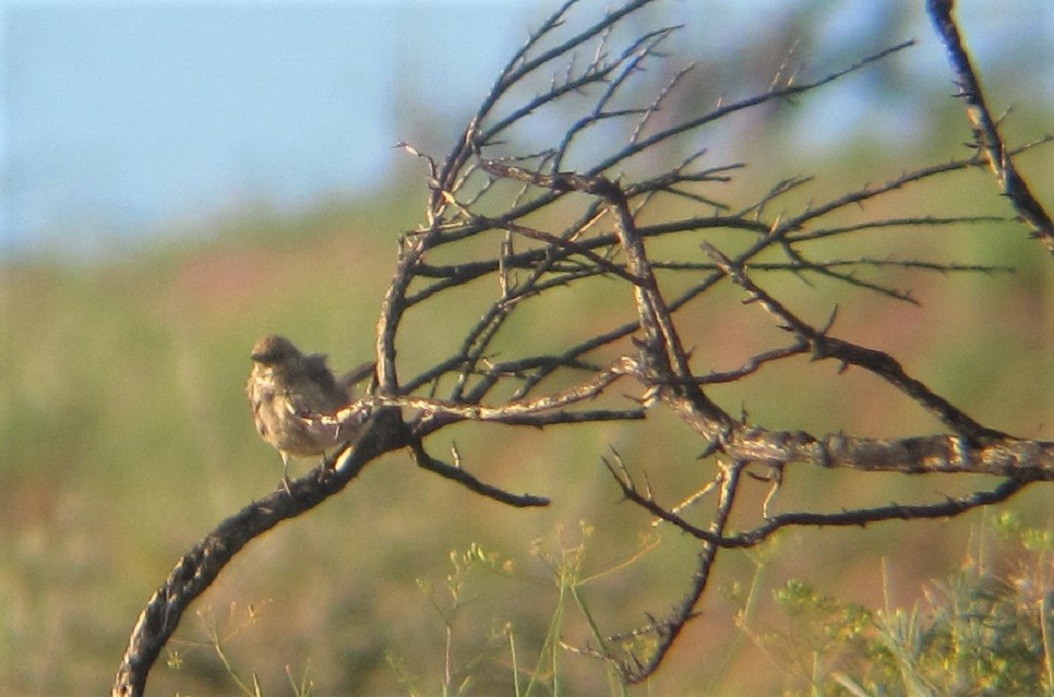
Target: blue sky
{"x":122,"y":118}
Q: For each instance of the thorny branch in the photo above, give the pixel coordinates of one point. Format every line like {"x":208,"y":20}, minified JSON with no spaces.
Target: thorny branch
{"x":455,"y":473}
{"x":662,"y":364}
{"x":825,"y":346}
{"x":749,"y":538}
{"x":986,"y":132}
{"x":595,"y":227}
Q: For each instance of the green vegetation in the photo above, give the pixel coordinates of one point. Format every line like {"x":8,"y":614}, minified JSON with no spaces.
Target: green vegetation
{"x":985,"y":630}
{"x":126,"y":437}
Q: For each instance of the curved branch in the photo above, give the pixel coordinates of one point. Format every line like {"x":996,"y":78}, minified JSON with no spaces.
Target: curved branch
{"x":455,"y":473}
{"x":196,"y":571}
{"x":752,"y":537}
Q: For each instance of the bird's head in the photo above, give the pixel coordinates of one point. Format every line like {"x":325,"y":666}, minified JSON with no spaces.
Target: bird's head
{"x":275,"y":350}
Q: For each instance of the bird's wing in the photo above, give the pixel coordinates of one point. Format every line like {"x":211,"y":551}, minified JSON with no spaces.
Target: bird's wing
{"x":312,"y":389}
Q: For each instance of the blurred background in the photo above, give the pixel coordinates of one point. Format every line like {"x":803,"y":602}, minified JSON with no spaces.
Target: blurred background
{"x":180,"y":178}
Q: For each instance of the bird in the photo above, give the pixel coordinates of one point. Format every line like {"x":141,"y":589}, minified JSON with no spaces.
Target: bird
{"x":288,"y":390}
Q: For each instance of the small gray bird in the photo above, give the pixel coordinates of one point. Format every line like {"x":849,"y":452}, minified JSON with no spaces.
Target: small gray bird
{"x":288,"y":390}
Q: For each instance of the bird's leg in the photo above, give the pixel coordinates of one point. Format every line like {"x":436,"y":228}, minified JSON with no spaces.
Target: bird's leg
{"x":285,"y":473}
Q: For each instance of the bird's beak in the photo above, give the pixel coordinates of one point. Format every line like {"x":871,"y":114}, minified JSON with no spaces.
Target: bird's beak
{"x":265,"y":357}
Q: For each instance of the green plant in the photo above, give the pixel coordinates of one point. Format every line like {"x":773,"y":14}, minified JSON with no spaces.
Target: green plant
{"x":979,"y":632}
{"x":534,"y":661}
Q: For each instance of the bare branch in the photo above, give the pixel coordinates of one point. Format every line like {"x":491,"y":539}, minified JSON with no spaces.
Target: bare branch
{"x":729,"y":109}
{"x":986,"y":133}
{"x":877,"y":362}
{"x":946,"y":508}
{"x":532,"y":412}
{"x":426,"y":461}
